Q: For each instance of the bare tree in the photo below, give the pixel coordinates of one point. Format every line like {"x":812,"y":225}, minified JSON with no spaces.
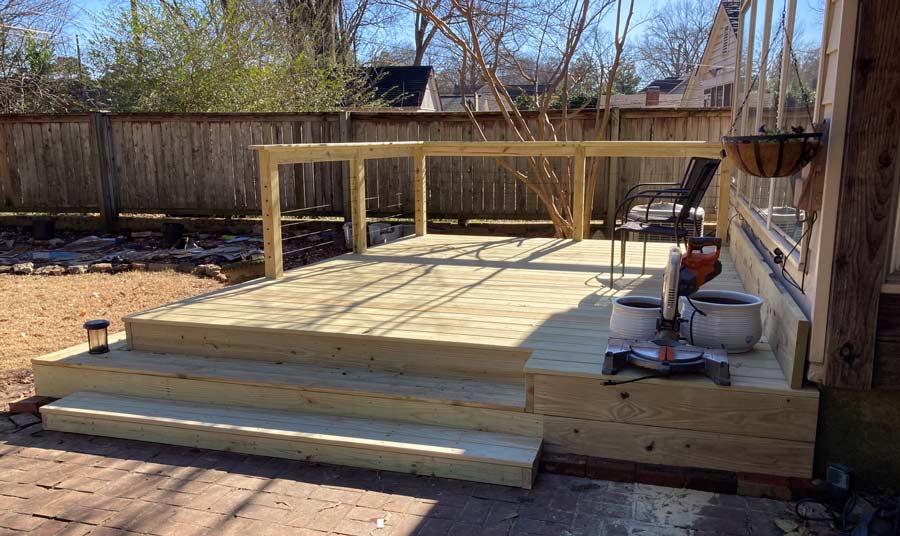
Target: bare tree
{"x":497,"y":36}
{"x":675,"y":36}
{"x":30,"y":35}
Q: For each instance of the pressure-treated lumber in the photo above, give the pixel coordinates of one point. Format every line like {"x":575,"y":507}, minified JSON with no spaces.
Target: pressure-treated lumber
{"x":358,"y":205}
{"x":323,"y":152}
{"x":305,"y":386}
{"x":685,"y":448}
{"x":270,"y":199}
{"x":760,"y":414}
{"x":785,"y":325}
{"x":465,"y":454}
{"x":578,"y":181}
{"x":421,"y":216}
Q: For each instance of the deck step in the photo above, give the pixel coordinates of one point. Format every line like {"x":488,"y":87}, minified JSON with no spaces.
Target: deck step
{"x":376,"y":444}
{"x":273,"y":340}
{"x":352,"y":391}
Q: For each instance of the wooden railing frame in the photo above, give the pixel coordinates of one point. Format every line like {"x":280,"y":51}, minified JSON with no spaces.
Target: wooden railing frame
{"x":356,"y":154}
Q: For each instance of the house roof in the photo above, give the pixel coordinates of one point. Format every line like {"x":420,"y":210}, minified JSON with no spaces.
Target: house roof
{"x":667,"y":85}
{"x":515,"y":90}
{"x":733,"y":11}
{"x":400,"y":86}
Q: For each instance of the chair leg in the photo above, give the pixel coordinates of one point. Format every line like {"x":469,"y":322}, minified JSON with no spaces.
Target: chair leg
{"x":644,"y":256}
{"x":612,"y":256}
{"x":624,"y":239}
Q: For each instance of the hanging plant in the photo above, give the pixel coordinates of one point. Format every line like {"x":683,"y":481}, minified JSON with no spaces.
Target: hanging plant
{"x":772,"y":153}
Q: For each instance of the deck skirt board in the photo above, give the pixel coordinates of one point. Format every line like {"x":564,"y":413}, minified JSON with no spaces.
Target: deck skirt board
{"x":307,"y":432}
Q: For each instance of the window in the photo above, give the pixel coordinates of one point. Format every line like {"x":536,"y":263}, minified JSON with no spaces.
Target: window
{"x":779,"y":65}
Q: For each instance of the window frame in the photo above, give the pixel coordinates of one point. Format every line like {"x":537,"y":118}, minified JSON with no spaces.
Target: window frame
{"x":747,"y":20}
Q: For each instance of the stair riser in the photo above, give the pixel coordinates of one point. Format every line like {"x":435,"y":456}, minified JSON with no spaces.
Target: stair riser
{"x":414,"y":356}
{"x":297,"y":450}
{"x":58,"y":381}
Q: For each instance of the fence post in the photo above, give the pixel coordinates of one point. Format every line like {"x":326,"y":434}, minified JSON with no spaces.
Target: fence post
{"x":578,"y":192}
{"x":358,"y":204}
{"x":724,"y":202}
{"x":271,"y":214}
{"x":105,"y":169}
{"x":612,"y":193}
{"x":345,"y":134}
{"x":419,"y":187}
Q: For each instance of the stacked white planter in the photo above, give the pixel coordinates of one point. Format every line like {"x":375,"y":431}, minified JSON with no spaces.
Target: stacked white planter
{"x":735,"y":326}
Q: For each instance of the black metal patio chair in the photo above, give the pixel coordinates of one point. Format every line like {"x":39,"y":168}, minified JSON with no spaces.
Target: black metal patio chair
{"x":685,"y":198}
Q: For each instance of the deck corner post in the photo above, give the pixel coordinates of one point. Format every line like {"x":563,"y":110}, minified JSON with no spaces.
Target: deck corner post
{"x":724,"y":201}
{"x":105,"y":168}
{"x":419,"y":187}
{"x":358,"y":204}
{"x":270,"y":197}
{"x":578,"y":178}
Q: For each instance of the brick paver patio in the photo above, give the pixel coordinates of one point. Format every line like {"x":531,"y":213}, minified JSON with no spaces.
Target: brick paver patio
{"x":65,"y":484}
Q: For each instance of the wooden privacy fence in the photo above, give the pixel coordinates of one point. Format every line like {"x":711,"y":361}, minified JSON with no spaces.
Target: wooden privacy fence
{"x":273,"y":158}
{"x":200,"y":163}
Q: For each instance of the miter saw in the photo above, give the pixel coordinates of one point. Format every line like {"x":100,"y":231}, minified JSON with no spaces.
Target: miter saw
{"x":667,"y":353}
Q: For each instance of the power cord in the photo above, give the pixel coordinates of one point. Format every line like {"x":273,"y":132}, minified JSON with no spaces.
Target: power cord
{"x":632,"y":380}
{"x":838,"y":516}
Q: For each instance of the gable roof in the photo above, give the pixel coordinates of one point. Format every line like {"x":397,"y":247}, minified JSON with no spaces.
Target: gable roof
{"x":667,"y":85}
{"x":400,"y":86}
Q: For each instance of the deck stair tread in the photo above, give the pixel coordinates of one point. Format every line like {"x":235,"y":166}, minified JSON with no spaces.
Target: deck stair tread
{"x":303,"y":376}
{"x":375,"y":435}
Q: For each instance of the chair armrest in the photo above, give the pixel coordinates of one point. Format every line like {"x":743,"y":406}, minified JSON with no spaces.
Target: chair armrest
{"x":636,"y":186}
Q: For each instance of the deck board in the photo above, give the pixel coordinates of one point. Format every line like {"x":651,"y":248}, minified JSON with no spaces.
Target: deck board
{"x":544,"y":296}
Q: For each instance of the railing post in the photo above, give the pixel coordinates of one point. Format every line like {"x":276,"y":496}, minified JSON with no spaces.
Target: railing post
{"x":271,"y":214}
{"x":724,"y":202}
{"x":420,"y":197}
{"x":358,"y":204}
{"x":578,"y":178}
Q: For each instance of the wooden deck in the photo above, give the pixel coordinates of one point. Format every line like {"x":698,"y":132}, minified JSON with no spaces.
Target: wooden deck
{"x":481,"y":327}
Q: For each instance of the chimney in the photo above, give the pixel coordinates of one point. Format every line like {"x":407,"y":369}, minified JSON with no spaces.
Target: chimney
{"x":652,"y":95}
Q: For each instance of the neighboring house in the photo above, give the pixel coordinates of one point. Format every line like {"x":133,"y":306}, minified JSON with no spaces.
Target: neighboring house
{"x":481,"y":100}
{"x":409,"y":88}
{"x":667,"y":86}
{"x":712,"y":82}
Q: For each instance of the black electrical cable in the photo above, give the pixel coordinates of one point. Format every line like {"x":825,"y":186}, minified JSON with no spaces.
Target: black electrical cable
{"x":784,"y":273}
{"x":691,"y":321}
{"x":632,"y":380}
{"x":840,"y":517}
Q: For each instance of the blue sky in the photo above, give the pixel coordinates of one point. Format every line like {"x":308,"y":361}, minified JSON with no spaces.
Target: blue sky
{"x":808,"y":17}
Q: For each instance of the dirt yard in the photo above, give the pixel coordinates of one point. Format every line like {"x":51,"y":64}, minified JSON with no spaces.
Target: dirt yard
{"x":43,"y":314}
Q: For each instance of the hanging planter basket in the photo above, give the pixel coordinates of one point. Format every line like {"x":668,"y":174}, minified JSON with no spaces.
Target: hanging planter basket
{"x":776,"y":155}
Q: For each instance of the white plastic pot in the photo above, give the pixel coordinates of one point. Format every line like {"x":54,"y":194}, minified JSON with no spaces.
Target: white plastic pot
{"x":634,"y":317}
{"x":732,"y":320}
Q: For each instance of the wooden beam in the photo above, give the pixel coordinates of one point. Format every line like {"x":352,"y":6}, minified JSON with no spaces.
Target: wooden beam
{"x":420,"y":193}
{"x":866,"y":188}
{"x":105,"y":169}
{"x":724,"y":199}
{"x":578,"y":171}
{"x":326,"y":152}
{"x":358,"y":204}
{"x":271,"y":215}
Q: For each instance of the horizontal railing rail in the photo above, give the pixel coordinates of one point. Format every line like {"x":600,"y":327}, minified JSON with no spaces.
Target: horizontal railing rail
{"x":271,"y":156}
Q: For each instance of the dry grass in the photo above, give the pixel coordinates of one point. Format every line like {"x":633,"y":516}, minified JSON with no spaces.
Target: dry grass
{"x":44,"y":314}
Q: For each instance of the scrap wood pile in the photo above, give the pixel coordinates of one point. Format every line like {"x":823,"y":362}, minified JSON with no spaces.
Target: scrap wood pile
{"x":202,"y":254}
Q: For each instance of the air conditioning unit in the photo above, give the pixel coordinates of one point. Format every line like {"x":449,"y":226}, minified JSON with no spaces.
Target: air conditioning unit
{"x":659,"y":214}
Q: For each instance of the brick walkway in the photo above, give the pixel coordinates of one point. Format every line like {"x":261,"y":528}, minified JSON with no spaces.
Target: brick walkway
{"x":65,"y":484}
